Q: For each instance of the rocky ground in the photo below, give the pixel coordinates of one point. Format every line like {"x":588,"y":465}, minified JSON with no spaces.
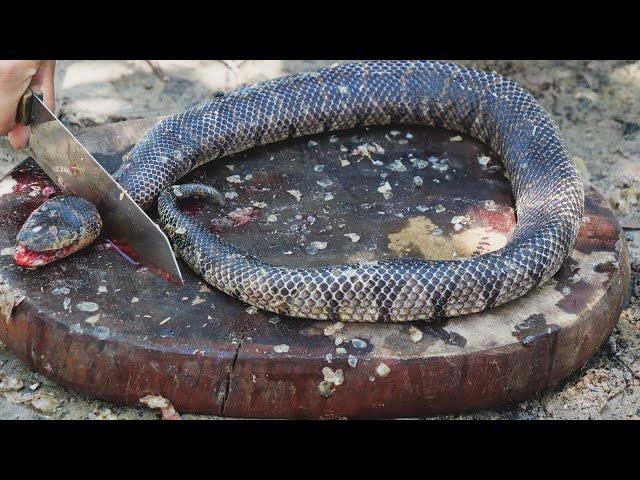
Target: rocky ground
{"x":596,"y":103}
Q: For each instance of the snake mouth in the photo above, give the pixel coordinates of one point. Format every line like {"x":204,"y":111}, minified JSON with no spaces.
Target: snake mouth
{"x":24,"y":257}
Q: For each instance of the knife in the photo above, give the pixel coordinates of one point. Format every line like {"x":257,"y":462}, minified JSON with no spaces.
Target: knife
{"x":72,"y":168}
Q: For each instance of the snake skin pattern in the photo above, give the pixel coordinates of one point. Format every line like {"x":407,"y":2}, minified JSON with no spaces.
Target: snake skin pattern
{"x":548,"y":192}
{"x":61,"y":222}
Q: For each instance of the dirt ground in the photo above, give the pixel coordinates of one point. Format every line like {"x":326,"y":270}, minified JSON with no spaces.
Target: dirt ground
{"x":596,"y":103}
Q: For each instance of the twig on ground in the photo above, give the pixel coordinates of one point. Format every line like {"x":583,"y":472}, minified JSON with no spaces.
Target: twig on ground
{"x":157,"y":70}
{"x":231,"y":65}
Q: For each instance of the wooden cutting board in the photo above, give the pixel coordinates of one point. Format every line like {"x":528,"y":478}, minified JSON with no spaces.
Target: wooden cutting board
{"x":114,"y":330}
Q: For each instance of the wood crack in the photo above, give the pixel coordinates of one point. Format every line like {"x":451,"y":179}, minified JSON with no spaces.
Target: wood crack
{"x":227,"y":385}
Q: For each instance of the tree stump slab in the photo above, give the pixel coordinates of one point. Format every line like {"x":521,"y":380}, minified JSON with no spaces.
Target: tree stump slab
{"x":353,"y":196}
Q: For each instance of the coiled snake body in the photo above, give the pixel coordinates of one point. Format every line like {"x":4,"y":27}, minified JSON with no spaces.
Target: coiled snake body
{"x":548,"y":192}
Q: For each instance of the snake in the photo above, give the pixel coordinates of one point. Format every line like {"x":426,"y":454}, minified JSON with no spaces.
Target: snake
{"x":547,"y":190}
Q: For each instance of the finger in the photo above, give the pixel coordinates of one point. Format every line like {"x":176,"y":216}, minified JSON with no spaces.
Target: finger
{"x":19,"y":136}
{"x":44,"y":79}
{"x":15,"y":77}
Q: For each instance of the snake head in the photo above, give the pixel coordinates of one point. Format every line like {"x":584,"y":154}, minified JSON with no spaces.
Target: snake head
{"x":57,"y":228}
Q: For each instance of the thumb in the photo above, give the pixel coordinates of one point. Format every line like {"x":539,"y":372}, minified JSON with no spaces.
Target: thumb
{"x":43,"y":80}
{"x":19,"y":136}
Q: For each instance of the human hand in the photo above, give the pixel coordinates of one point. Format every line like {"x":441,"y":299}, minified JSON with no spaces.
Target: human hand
{"x":15,"y":77}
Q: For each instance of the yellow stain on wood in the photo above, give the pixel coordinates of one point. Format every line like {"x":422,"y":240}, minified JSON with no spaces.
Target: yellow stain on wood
{"x":417,"y":239}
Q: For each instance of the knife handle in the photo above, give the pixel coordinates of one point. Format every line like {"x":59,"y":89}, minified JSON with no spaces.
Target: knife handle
{"x":23,"y":116}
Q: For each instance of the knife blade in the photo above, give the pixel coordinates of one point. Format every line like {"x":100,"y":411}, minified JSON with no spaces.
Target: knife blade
{"x":75,"y":170}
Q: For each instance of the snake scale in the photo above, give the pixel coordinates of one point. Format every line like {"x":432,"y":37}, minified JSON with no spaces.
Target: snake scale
{"x":548,"y":193}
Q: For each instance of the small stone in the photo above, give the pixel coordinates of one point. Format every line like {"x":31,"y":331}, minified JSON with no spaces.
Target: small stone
{"x":440,"y":167}
{"x":102,"y":289}
{"x":484,"y":160}
{"x":344,"y":163}
{"x":318,"y":168}
{"x":415,"y":334}
{"x":10,"y":384}
{"x":312,"y":143}
{"x":397,"y":166}
{"x":259,"y":204}
{"x":341,"y":351}
{"x":135,"y":299}
{"x":457,"y":227}
{"x":417,"y":181}
{"x":7,"y":251}
{"x":383,"y":370}
{"x":295,"y":193}
{"x":328,"y":374}
{"x":357,"y":343}
{"x":154,"y":401}
{"x":272,"y":218}
{"x":283,"y":348}
{"x":231,"y":195}
{"x":333,"y":328}
{"x":385,"y":190}
{"x":93,"y":319}
{"x":457,"y":138}
{"x":566,"y":291}
{"x":338,"y":377}
{"x":352,"y":361}
{"x":325,"y":182}
{"x":45,"y":402}
{"x":324,"y":388}
{"x":197,"y":301}
{"x":87,"y":306}
{"x":319,"y":245}
{"x":181,"y":231}
{"x":354,"y":237}
{"x":60,"y":291}
{"x":419,"y":164}
{"x":234,"y":179}
{"x":333,"y":139}
{"x":328,"y":196}
{"x":275,"y":320}
{"x":251,"y":310}
{"x":440,"y":208}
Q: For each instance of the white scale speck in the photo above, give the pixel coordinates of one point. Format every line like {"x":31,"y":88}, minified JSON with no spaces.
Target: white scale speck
{"x":283,"y":348}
